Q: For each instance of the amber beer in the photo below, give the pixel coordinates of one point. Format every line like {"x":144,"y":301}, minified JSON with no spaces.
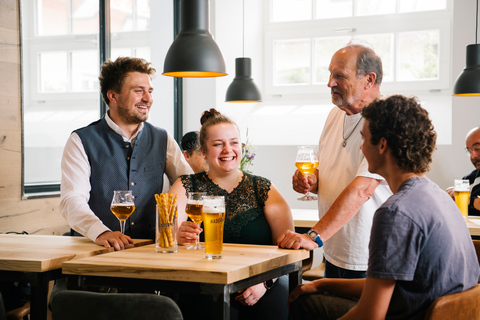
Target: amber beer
{"x":194,"y":211}
{"x":461,"y":199}
{"x":461,"y":190}
{"x":213,"y":223}
{"x":306,"y":168}
{"x":122,"y":211}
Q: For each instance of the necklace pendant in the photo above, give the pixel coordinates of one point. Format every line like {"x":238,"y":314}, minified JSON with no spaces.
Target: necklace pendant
{"x":344,"y":143}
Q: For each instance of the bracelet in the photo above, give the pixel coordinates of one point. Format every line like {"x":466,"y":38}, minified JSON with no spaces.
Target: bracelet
{"x":268,"y":284}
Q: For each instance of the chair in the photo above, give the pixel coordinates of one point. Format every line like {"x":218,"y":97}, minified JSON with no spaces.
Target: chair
{"x":462,"y":305}
{"x":315,"y":273}
{"x":80,"y":305}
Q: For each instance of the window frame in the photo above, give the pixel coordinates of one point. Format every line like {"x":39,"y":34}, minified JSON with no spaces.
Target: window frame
{"x":357,"y":26}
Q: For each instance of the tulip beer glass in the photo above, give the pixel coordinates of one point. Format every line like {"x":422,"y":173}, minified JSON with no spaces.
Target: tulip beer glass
{"x":461,"y":190}
{"x":306,"y":162}
{"x":213,"y":221}
{"x":194,"y":211}
{"x":122,"y":207}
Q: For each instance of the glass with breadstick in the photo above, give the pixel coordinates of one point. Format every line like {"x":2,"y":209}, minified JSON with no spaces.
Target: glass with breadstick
{"x":166,"y":223}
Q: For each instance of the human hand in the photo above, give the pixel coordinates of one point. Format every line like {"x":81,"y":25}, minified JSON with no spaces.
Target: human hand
{"x":307,"y":288}
{"x":451,"y":192}
{"x":188,"y":233}
{"x":293,"y":240}
{"x":303,"y":184}
{"x":114,"y":239}
{"x":251,"y":295}
{"x":476,"y":203}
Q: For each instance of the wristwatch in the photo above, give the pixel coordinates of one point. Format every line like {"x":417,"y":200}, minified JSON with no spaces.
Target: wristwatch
{"x":315,"y":237}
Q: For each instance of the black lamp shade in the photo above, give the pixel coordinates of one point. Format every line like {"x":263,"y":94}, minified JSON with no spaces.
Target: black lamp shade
{"x":194,"y":53}
{"x":243,"y":89}
{"x":468,"y":82}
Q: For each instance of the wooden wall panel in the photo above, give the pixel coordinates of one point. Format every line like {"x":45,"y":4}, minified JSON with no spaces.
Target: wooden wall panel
{"x":35,"y":216}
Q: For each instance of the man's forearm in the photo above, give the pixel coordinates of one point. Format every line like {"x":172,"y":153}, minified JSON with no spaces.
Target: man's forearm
{"x":346,"y":206}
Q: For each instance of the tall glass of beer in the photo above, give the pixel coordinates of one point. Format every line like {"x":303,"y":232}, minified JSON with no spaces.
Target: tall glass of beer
{"x":194,"y":211}
{"x":213,"y":221}
{"x":306,"y":162}
{"x":461,"y":190}
{"x":122,"y":207}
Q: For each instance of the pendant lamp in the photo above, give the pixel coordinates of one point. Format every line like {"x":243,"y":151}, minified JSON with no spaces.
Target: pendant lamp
{"x":194,"y":53}
{"x":468,"y":82}
{"x":243,"y":89}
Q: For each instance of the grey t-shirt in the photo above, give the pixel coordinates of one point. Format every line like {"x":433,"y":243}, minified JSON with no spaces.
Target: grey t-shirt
{"x":419,"y":238}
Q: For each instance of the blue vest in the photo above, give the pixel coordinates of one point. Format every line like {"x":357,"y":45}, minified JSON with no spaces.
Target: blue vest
{"x":115,"y":166}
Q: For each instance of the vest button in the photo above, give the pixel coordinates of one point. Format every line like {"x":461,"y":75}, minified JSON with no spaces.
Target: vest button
{"x":133,"y":223}
{"x":126,"y":146}
{"x":132,"y":183}
{"x":128,"y":158}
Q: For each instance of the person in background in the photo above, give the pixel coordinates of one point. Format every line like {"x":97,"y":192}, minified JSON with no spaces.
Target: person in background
{"x":348,"y":194}
{"x":472,"y":146}
{"x":121,"y":151}
{"x":255,"y":213}
{"x":420,"y":248}
{"x":191,"y":152}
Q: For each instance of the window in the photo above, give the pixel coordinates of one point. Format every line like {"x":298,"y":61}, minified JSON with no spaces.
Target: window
{"x":60,"y":66}
{"x":412,"y":38}
{"x":299,"y":38}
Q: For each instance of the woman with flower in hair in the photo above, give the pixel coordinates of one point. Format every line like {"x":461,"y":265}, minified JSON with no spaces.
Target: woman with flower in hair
{"x":256,"y":213}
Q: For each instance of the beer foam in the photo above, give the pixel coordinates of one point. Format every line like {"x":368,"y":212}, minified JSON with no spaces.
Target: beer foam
{"x":213,"y":210}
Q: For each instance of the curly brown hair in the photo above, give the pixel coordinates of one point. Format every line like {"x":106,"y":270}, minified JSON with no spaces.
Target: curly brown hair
{"x":209,"y":118}
{"x":406,"y":127}
{"x":113,"y":73}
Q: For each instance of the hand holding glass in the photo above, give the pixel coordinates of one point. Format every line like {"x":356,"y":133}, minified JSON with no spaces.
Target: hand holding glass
{"x":306,"y":162}
{"x":194,"y":210}
{"x":122,"y":207}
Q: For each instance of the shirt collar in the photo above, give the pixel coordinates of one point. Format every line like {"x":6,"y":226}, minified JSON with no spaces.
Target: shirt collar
{"x":118,"y":130}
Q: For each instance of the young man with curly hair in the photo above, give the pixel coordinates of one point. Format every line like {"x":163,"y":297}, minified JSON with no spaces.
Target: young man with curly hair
{"x":420,"y":248}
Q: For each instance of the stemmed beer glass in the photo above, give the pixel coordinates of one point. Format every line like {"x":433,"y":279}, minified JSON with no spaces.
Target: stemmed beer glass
{"x":194,"y":210}
{"x":122,"y":207}
{"x":307,"y":162}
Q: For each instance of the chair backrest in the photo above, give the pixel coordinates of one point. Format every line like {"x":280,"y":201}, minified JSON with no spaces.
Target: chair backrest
{"x":79,"y":305}
{"x":462,"y":305}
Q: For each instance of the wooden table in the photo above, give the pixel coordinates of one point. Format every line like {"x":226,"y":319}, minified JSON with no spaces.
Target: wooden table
{"x":188,"y":271}
{"x":38,"y":259}
{"x":306,"y":219}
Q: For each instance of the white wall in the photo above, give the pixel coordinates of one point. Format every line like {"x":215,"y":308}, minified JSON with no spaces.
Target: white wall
{"x":277,"y":162}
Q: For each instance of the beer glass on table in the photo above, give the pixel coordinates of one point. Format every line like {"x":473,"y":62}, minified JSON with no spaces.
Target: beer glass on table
{"x":194,"y":211}
{"x":461,"y":190}
{"x":122,"y":207}
{"x":306,"y":162}
{"x":213,"y":222}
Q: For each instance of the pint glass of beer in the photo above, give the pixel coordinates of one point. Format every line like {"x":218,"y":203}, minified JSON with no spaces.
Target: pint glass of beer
{"x":461,"y":189}
{"x":213,"y":221}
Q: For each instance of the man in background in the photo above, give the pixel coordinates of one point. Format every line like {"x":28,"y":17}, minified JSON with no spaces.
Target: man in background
{"x":472,"y":146}
{"x":348,"y":194}
{"x":191,"y":152}
{"x":121,"y":151}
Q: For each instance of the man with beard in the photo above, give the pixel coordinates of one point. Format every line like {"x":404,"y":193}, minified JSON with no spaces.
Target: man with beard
{"x":348,"y":194}
{"x":472,"y":146}
{"x":121,"y":151}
